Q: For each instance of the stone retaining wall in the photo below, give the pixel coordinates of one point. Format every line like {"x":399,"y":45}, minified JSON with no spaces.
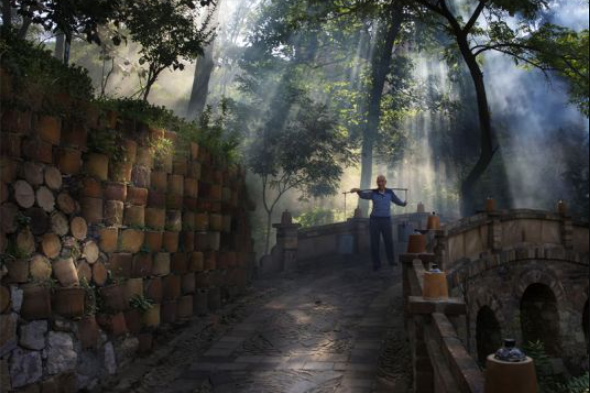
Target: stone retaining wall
{"x":82,"y":234}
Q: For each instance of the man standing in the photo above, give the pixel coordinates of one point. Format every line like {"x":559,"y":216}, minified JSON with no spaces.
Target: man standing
{"x":382,"y":199}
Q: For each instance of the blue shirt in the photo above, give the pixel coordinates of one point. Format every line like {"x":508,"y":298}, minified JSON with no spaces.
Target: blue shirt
{"x":381,"y":202}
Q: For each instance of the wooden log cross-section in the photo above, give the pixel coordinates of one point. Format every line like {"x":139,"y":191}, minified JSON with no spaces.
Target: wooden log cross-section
{"x":59,"y":223}
{"x":24,"y":194}
{"x":40,"y":268}
{"x":51,"y":245}
{"x":66,"y":203}
{"x":79,"y":228}
{"x":53,"y":178}
{"x":45,"y":199}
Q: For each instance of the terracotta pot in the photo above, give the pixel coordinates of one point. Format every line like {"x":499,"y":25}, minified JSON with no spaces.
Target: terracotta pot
{"x":153,"y":240}
{"x":174,"y":202}
{"x":172,"y":286}
{"x":65,"y":271}
{"x":113,"y":298}
{"x":174,"y":220}
{"x":36,"y":302}
{"x":130,"y":151}
{"x":49,"y":129}
{"x":109,"y":239}
{"x":159,"y":181}
{"x":69,"y":302}
{"x":185,"y":307}
{"x":216,"y":193}
{"x":197,"y":262}
{"x":435,"y":286}
{"x":562,"y":208}
{"x":201,"y":303}
{"x":133,"y":320}
{"x":142,"y":265}
{"x":92,"y":210}
{"x":121,"y":172}
{"x":202,"y":222}
{"x":18,"y":271}
{"x":134,"y":216}
{"x":91,"y":188}
{"x":153,"y":289}
{"x":216,"y":222}
{"x":97,"y":165}
{"x":433,"y":222}
{"x":189,"y":283}
{"x":417,"y":244}
{"x":133,"y":287}
{"x":503,"y":377}
{"x":146,"y":342}
{"x":113,"y":213}
{"x":113,"y":324}
{"x":115,"y":191}
{"x":179,"y":263}
{"x":161,"y":265}
{"x":155,"y":219}
{"x":88,"y":333}
{"x":180,"y":167}
{"x":121,"y":265}
{"x":210,"y":261}
{"x":156,"y":200}
{"x":151,"y":319}
{"x":188,"y":241}
{"x":169,"y":312}
{"x":191,"y":188}
{"x":137,"y":196}
{"x":490,"y":205}
{"x":76,"y":136}
{"x":194,"y":151}
{"x":202,"y":280}
{"x":190,"y":203}
{"x":232,"y":259}
{"x":170,"y":241}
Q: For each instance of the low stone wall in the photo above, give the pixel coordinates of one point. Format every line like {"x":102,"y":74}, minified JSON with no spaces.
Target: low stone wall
{"x":82,"y":234}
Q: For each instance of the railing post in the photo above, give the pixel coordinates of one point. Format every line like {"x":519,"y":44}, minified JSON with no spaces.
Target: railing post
{"x":358,"y":228}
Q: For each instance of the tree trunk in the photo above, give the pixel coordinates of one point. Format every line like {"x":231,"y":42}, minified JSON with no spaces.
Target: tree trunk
{"x":203,"y":71}
{"x":381,"y":64}
{"x":468,"y":185}
{"x":60,"y":43}
{"x":24,"y":29}
{"x":6,"y":14}
{"x":268,"y":232}
{"x":67,"y":49}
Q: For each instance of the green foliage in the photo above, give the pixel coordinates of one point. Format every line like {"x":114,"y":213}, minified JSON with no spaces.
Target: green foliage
{"x":92,"y":305}
{"x":169,"y":33}
{"x":550,"y":382}
{"x":319,"y":217}
{"x":141,"y":303}
{"x":37,"y":73}
{"x":109,"y":143}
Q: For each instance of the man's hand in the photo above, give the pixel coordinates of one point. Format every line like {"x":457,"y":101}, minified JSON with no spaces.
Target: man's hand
{"x":355,"y":190}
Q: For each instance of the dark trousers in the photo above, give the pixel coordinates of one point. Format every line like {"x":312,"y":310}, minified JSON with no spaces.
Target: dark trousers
{"x":381,"y":227}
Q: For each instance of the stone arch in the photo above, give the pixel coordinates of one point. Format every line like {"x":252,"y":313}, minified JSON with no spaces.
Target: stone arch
{"x":488,"y":334}
{"x":539,"y":316}
{"x":545,"y":277}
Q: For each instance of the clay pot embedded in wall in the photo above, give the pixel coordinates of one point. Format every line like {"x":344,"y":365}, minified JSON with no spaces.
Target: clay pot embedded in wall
{"x":153,"y":240}
{"x":153,"y":289}
{"x":18,"y":271}
{"x":133,"y":288}
{"x":202,"y":280}
{"x":113,"y":298}
{"x":197,"y":262}
{"x":189,"y":283}
{"x":417,"y":244}
{"x":69,"y":161}
{"x":170,"y":241}
{"x":115,"y":191}
{"x":146,"y":342}
{"x":169,"y":312}
{"x":69,"y":302}
{"x":172,"y":286}
{"x":188,"y":241}
{"x":155,"y":218}
{"x":210,"y":261}
{"x":161,"y":265}
{"x":151,"y":319}
{"x":97,"y":165}
{"x":185,"y":307}
{"x":142,"y":265}
{"x":134,"y":216}
{"x":109,"y":239}
{"x":36,"y":302}
{"x":179,"y":263}
{"x":133,"y":320}
{"x":114,"y":324}
{"x":131,"y":240}
{"x":87,"y":333}
{"x":137,"y":196}
{"x":120,"y":172}
{"x":216,"y":222}
{"x":202,"y":222}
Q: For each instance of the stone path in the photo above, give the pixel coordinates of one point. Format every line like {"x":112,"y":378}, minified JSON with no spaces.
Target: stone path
{"x":334,"y":328}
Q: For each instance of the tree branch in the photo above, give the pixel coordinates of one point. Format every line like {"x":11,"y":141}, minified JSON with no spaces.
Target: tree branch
{"x":474,"y":18}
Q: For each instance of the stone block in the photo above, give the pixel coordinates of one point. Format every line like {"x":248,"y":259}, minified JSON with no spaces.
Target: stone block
{"x":26,"y":367}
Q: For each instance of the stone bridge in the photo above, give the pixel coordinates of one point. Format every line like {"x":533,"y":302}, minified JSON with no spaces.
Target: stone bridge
{"x":518,"y":273}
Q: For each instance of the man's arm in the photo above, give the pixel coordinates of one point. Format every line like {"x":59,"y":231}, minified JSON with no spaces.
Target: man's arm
{"x":395,"y":199}
{"x":368,"y":195}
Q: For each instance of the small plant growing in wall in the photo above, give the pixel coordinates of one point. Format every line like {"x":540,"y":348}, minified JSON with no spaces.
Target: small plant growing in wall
{"x":92,"y":298}
{"x":109,"y":143}
{"x":141,"y":303}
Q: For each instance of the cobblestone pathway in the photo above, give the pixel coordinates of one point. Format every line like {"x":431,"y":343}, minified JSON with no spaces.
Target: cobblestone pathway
{"x":335,"y":328}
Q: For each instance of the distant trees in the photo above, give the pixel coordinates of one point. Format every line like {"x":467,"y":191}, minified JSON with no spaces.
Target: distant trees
{"x":308,"y":155}
{"x":527,"y":44}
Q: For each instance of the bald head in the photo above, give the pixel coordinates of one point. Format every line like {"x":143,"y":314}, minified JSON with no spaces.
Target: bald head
{"x":381,"y":182}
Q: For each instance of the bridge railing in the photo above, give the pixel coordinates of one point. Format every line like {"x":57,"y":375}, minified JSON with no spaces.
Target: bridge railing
{"x":436,"y":328}
{"x":491,"y":232}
